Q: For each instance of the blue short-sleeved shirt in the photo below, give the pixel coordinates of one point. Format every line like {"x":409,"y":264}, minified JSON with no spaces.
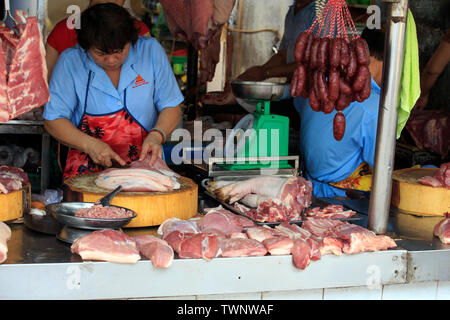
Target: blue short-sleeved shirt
{"x":294,"y":25}
{"x":147,"y":85}
{"x":328,"y":160}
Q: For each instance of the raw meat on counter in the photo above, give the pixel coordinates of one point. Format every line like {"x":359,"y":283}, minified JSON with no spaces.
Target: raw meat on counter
{"x":442,"y":229}
{"x":106,"y":245}
{"x":5,"y":235}
{"x":98,"y":211}
{"x":220,"y":233}
{"x":440,"y":179}
{"x":12,"y":179}
{"x":274,"y":199}
{"x":23,"y":80}
{"x":140,"y":177}
{"x":156,"y":250}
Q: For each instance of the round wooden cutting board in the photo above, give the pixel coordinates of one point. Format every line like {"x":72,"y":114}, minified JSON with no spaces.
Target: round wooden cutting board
{"x":14,"y":204}
{"x":410,"y":196}
{"x":152,"y":208}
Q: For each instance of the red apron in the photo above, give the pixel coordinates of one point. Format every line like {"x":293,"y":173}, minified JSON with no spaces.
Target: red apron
{"x":119,"y":130}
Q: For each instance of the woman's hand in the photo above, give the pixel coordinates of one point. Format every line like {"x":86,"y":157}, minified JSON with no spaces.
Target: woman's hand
{"x":257,"y":73}
{"x":102,"y":154}
{"x":152,"y":144}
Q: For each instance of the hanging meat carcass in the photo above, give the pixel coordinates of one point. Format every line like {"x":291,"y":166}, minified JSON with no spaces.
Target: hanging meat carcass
{"x":200,"y":23}
{"x":23,"y":71}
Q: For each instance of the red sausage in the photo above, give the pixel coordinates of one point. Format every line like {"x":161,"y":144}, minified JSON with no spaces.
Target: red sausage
{"x":313,"y":54}
{"x":343,"y":101}
{"x":335,"y":52}
{"x":300,"y":46}
{"x":307,"y":54}
{"x":345,"y":55}
{"x":344,"y":87}
{"x":322,"y":86}
{"x":334,"y":84}
{"x":339,"y":126}
{"x":322,"y":54}
{"x":313,"y":101}
{"x":327,"y":106}
{"x":301,"y":78}
{"x":360,"y":78}
{"x":362,"y":51}
{"x":365,"y":91}
{"x":352,"y":66}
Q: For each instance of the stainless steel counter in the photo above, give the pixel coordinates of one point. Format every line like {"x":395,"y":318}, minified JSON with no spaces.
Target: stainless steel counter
{"x":39,"y":266}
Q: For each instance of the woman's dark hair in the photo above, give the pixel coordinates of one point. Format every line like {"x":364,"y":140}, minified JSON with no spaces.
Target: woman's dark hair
{"x":375,"y":41}
{"x":107,"y":27}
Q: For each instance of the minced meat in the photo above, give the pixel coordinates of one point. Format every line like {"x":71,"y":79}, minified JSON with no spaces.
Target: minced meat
{"x":100,"y":212}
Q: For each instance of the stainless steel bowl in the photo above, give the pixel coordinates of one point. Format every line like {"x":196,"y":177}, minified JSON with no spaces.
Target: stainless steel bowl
{"x":257,"y":90}
{"x":65,"y":213}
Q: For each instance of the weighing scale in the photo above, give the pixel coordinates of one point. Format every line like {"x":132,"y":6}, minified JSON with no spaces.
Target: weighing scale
{"x":258,"y":135}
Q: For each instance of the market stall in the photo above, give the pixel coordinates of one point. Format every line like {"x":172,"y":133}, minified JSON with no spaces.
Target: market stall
{"x":232,"y":216}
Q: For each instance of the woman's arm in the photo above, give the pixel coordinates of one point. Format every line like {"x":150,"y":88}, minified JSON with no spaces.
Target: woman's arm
{"x":51,"y":56}
{"x":432,"y":71}
{"x":168,"y":120}
{"x":64,"y":131}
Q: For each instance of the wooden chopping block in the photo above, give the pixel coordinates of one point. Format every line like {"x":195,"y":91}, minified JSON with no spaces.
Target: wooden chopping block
{"x":152,"y":208}
{"x":14,"y":204}
{"x":410,"y":196}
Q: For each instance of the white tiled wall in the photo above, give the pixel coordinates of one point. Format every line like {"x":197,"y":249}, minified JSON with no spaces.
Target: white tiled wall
{"x":410,"y":291}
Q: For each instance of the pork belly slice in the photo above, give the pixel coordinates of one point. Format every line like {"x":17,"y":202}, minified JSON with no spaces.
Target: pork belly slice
{"x":5,"y":235}
{"x":442,"y":229}
{"x":156,"y":250}
{"x":106,"y":245}
{"x":319,"y":227}
{"x":220,"y":220}
{"x":159,"y":166}
{"x":237,"y":247}
{"x":278,"y":245}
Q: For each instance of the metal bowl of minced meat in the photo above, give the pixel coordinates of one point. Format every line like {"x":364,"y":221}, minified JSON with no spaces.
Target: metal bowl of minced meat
{"x":65,"y":213}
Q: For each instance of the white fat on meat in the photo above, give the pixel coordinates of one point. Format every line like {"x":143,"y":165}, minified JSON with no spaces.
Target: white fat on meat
{"x":5,"y":235}
{"x":278,"y":245}
{"x":237,"y":247}
{"x":136,"y":180}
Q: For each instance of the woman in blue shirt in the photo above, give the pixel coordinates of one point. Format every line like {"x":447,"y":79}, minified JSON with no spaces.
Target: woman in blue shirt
{"x":113,"y":97}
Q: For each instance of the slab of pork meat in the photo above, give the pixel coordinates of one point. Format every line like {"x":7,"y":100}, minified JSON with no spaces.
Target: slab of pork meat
{"x":106,"y":245}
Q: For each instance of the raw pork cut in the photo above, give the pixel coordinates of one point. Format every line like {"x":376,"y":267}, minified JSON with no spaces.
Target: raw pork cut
{"x":156,"y":250}
{"x":159,"y":166}
{"x":175,"y":224}
{"x":199,"y":245}
{"x":12,"y":179}
{"x":224,"y":221}
{"x":262,"y":233}
{"x":237,"y":247}
{"x":331,"y":211}
{"x":5,"y":235}
{"x":277,"y":198}
{"x":106,"y":245}
{"x":301,"y":254}
{"x":440,"y":179}
{"x":442,"y":229}
{"x":23,"y":71}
